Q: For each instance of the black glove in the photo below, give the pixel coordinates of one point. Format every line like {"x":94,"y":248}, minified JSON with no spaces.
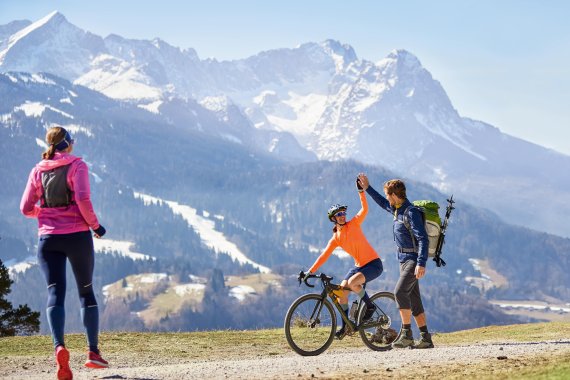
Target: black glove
{"x":100,"y":231}
{"x":360,"y":189}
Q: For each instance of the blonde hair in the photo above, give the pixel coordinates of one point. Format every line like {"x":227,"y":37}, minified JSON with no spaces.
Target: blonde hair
{"x":54,"y":136}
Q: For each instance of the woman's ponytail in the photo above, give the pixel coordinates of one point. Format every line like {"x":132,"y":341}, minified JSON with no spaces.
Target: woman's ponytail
{"x":49,"y":153}
{"x":54,"y":135}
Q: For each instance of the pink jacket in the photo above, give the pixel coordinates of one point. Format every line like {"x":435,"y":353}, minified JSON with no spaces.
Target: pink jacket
{"x":61,"y":220}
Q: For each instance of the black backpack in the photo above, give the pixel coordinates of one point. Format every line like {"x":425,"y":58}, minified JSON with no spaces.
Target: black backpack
{"x":56,"y":192}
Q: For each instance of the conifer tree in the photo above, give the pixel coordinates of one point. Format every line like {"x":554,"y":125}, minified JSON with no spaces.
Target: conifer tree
{"x":20,"y":321}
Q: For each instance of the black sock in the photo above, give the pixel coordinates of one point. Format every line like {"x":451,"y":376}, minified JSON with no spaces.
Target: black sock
{"x":408,"y":327}
{"x":424,"y":329}
{"x":365,"y":298}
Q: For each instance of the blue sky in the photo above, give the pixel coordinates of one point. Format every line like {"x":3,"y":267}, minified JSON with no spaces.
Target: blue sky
{"x":503,"y":62}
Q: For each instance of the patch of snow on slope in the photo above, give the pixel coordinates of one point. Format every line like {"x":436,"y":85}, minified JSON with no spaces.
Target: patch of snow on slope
{"x":122,"y":247}
{"x":152,"y":278}
{"x":241,"y":292}
{"x":31,"y":109}
{"x":36,"y":109}
{"x":41,"y":143}
{"x":15,"y":267}
{"x":74,"y":129}
{"x":152,"y":107}
{"x":184,"y":289}
{"x":206,"y":229}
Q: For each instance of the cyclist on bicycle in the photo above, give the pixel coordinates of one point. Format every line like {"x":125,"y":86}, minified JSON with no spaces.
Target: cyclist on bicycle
{"x":368,"y":266}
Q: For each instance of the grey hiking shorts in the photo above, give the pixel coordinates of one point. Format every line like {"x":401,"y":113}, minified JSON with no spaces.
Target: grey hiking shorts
{"x":407,"y":289}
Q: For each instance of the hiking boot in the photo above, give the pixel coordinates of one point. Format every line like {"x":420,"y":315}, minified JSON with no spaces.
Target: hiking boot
{"x":62,"y":361}
{"x":369,"y":312}
{"x":424,"y":342}
{"x":405,"y":340}
{"x":95,"y":361}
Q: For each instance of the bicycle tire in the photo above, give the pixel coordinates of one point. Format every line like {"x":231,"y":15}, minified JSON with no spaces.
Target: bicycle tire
{"x":305,"y":336}
{"x":382,"y":329}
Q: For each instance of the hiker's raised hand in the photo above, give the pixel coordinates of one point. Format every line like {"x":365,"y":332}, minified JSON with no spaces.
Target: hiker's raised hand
{"x":363,"y":179}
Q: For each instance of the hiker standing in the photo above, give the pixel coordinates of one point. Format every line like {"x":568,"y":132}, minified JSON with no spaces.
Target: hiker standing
{"x":412,"y":245}
{"x":60,"y":182}
{"x":367,"y":263}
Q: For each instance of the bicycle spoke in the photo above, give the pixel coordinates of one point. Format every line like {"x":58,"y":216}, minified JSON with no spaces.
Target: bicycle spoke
{"x":384,"y":327}
{"x":310,"y":325}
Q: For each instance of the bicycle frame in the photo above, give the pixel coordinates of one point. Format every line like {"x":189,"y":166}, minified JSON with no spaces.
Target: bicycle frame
{"x":329,"y":291}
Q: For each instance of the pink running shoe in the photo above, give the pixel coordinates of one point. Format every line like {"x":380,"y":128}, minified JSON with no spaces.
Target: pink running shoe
{"x":62,"y":360}
{"x":95,"y":361}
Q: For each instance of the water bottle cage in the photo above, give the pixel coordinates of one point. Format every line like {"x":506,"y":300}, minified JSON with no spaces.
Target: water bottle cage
{"x":353,"y":310}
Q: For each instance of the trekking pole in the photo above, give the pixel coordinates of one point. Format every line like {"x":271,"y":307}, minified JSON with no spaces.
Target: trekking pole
{"x":438,"y":260}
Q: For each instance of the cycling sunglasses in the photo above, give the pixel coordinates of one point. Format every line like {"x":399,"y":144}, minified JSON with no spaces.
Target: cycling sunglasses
{"x":342,"y":213}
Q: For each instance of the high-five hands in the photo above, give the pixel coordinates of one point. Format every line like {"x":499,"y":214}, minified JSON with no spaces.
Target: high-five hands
{"x":362,"y":179}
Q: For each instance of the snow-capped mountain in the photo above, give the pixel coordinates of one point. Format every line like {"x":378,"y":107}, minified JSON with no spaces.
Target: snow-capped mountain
{"x":58,"y":47}
{"x":227,"y":204}
{"x":391,"y":113}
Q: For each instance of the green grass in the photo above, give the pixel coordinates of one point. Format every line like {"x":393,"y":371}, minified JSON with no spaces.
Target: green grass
{"x":170,"y":347}
{"x":559,"y":370}
{"x":530,"y":332}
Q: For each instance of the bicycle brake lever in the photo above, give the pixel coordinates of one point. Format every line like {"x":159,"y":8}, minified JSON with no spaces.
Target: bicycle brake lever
{"x":306,"y":283}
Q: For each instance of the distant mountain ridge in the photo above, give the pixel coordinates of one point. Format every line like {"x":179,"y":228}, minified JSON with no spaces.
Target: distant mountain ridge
{"x":335,"y":105}
{"x":273,"y":209}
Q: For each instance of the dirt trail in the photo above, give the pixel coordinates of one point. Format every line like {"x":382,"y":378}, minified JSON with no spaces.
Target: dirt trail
{"x":354,"y":363}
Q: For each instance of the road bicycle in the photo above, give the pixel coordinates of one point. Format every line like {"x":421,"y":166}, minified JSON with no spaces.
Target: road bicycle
{"x":310,"y":323}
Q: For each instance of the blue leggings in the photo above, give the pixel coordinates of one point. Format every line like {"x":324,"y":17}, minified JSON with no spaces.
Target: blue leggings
{"x":53,"y":253}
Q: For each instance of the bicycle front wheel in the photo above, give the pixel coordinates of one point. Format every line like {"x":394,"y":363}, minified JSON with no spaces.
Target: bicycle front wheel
{"x":310,"y":325}
{"x":384,"y":326}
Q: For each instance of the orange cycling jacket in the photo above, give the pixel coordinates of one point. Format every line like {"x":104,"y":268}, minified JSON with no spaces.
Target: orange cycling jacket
{"x":351,"y":239}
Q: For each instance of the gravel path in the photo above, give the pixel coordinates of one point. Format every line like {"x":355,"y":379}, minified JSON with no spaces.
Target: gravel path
{"x":350,"y":363}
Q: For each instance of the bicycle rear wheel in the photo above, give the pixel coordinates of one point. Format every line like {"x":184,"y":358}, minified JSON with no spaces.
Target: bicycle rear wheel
{"x":385,"y":326}
{"x":310,"y":325}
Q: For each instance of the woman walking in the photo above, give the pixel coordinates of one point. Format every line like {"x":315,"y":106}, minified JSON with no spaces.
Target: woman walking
{"x":60,"y":183}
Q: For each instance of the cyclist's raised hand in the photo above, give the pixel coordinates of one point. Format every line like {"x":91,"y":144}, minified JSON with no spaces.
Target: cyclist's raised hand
{"x":363,"y":180}
{"x":358,"y":185}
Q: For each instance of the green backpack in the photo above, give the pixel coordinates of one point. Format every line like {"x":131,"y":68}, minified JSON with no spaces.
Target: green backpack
{"x":432,"y":222}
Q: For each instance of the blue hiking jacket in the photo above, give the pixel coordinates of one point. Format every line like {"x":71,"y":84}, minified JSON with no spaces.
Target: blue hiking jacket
{"x":402,"y":236}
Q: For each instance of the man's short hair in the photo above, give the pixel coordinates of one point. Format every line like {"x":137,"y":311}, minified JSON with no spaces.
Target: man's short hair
{"x":396,"y":187}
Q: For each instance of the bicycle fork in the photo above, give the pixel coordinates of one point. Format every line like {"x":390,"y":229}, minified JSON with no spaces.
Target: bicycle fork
{"x":314,"y":320}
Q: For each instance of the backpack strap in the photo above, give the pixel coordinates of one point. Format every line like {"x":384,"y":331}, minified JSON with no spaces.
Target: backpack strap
{"x":409,"y":228}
